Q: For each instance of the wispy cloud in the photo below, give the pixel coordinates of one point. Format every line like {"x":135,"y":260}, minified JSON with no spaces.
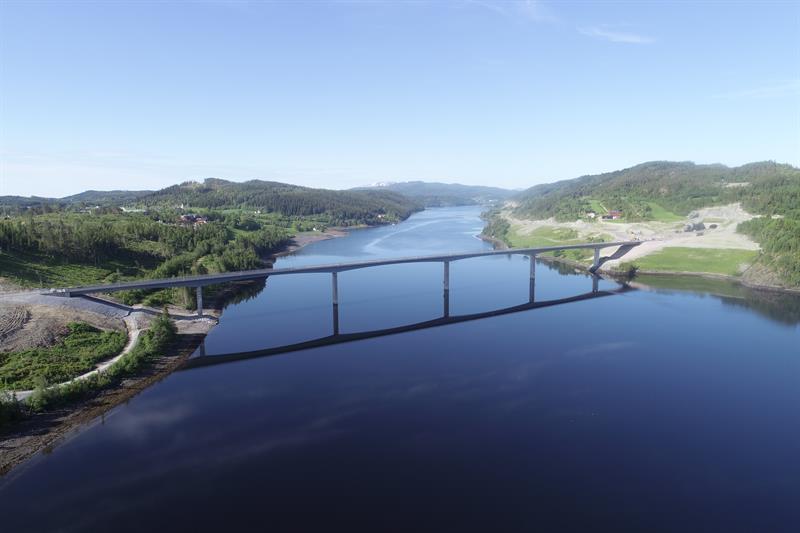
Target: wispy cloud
{"x":604,"y":32}
{"x":534,"y":10}
{"x":774,"y":90}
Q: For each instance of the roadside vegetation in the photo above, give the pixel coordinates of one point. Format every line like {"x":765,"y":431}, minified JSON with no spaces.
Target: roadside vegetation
{"x":78,"y":352}
{"x":151,"y":344}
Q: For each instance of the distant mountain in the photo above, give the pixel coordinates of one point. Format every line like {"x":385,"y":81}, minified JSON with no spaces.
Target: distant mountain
{"x":106,"y":197}
{"x":340,"y":207}
{"x":336,"y":207}
{"x":680,"y":187}
{"x":24,"y":201}
{"x":433,"y":194}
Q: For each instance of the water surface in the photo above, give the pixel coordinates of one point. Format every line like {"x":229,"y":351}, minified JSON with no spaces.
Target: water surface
{"x":654,"y":410}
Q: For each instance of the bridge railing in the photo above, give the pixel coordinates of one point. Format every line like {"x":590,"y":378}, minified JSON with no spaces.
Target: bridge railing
{"x":199,"y":281}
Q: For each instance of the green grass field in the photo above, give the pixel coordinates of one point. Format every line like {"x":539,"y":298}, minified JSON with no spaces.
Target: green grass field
{"x":712,"y":260}
{"x":77,"y":353}
{"x":662,"y":215}
{"x":552,"y":236}
{"x":597,"y":207}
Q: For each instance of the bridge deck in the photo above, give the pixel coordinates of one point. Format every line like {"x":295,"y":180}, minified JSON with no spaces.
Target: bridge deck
{"x":213,"y":279}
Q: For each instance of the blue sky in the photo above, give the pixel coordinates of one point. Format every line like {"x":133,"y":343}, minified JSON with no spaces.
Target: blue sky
{"x":133,"y":95}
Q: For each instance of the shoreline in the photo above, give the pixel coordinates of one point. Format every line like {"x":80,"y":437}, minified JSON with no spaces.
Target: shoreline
{"x":42,"y":431}
{"x":22,"y":440}
{"x":501,"y":245}
{"x":301,"y":240}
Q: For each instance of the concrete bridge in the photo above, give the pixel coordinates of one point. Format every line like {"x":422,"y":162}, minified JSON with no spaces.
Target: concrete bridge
{"x":199,"y":281}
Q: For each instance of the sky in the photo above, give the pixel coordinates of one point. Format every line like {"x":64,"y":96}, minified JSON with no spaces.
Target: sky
{"x":142,"y":95}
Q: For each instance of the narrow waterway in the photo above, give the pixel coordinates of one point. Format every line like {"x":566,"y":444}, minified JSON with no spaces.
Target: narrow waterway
{"x":656,"y":409}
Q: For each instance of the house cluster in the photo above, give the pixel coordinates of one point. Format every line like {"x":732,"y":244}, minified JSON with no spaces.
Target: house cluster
{"x":193,"y":220}
{"x":612,"y":215}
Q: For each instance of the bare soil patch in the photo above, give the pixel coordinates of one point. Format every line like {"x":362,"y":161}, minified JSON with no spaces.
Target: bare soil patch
{"x":23,"y":327}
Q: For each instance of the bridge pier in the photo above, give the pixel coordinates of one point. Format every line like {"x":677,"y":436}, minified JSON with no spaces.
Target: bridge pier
{"x":446,"y":287}
{"x":335,"y":297}
{"x":532,"y":278}
{"x":198,"y":281}
{"x":595,"y":282}
{"x":335,"y":319}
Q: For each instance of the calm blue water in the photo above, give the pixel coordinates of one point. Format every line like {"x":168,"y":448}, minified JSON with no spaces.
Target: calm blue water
{"x":652,"y":410}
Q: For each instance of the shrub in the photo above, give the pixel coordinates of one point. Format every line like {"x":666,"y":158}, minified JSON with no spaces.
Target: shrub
{"x":10,"y":408}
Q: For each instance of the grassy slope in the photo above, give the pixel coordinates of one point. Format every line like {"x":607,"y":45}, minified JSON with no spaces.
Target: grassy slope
{"x":660,"y":214}
{"x":37,"y":270}
{"x":711,"y":260}
{"x":552,"y":236}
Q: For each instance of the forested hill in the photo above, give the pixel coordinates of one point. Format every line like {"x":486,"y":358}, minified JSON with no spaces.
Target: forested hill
{"x":103,"y":198}
{"x":433,"y":194}
{"x":338,"y":207}
{"x":646,"y":191}
{"x":765,"y":188}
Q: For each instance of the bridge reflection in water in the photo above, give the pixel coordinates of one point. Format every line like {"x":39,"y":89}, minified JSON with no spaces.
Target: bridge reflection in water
{"x":202,"y":359}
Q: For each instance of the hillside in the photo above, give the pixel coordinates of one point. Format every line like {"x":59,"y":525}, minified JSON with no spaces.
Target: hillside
{"x":666,"y":204}
{"x":433,"y":194}
{"x":214,"y":226}
{"x":679,"y":187}
{"x":103,"y":198}
{"x":337,"y":207}
{"x":22,"y":202}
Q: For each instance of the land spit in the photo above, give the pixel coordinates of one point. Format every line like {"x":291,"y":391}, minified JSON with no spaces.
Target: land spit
{"x":29,"y":318}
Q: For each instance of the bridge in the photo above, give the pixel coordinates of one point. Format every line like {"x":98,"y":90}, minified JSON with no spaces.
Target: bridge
{"x":199,"y":281}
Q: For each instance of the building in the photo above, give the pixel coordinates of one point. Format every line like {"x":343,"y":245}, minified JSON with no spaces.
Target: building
{"x":194,"y":220}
